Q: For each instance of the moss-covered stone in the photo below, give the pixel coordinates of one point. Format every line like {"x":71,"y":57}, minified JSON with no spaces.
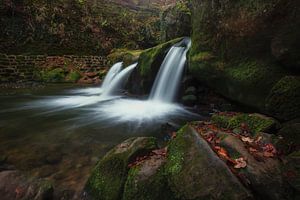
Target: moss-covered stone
{"x":108,"y":177}
{"x":175,"y":21}
{"x":147,"y":182}
{"x":284,"y":98}
{"x":195,"y":172}
{"x":124,"y":55}
{"x":231,"y":50}
{"x":54,"y":75}
{"x":289,"y":140}
{"x":73,"y":76}
{"x":256,"y":122}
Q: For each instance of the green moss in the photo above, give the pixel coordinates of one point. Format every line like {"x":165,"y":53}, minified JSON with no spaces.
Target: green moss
{"x":150,"y":188}
{"x":55,"y":75}
{"x":124,"y":55}
{"x":256,"y":123}
{"x":108,"y":177}
{"x":202,"y":56}
{"x":176,"y":153}
{"x":283,"y":100}
{"x":73,"y":76}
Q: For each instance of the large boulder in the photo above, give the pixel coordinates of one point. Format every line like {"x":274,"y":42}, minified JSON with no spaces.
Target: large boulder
{"x":175,"y":22}
{"x":108,"y":177}
{"x":240,"y":49}
{"x":194,"y":171}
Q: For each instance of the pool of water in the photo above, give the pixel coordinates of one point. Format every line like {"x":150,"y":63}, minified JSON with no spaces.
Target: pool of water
{"x":60,"y":132}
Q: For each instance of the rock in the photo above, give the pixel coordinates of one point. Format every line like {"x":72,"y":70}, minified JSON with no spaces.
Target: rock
{"x":289,"y":140}
{"x":292,"y":173}
{"x":189,"y":100}
{"x":124,"y":55}
{"x":3,"y":159}
{"x":14,"y":185}
{"x":241,"y":67}
{"x":85,"y":80}
{"x":147,"y":181}
{"x":190,"y":91}
{"x":175,"y":22}
{"x":256,"y":122}
{"x":143,"y":76}
{"x":195,"y":172}
{"x":53,"y":158}
{"x":264,"y":178}
{"x":283,"y":101}
{"x":108,"y":177}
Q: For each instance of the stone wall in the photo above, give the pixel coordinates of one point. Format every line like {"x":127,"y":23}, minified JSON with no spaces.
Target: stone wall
{"x":22,"y":68}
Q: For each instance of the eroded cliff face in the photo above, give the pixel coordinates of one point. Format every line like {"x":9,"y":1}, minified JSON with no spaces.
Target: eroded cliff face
{"x":78,"y":27}
{"x":247,"y":51}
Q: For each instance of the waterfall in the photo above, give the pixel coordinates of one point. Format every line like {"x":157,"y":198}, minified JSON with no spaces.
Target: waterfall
{"x":114,"y":70}
{"x":170,"y":73}
{"x":118,"y":81}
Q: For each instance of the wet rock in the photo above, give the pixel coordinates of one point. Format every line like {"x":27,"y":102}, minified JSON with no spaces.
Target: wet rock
{"x":85,"y":80}
{"x":189,"y":100}
{"x":53,"y":158}
{"x":292,"y":173}
{"x":264,"y":176}
{"x":3,"y":159}
{"x":255,"y":123}
{"x":289,"y":140}
{"x":195,"y":172}
{"x":148,"y":181}
{"x":14,"y":185}
{"x":108,"y":177}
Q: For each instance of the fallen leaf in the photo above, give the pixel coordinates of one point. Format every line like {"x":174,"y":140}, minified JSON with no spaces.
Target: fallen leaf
{"x":247,"y":139}
{"x":241,"y":163}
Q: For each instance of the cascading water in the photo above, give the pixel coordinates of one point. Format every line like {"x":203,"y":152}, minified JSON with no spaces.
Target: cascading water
{"x":118,"y":81}
{"x":169,"y":76}
{"x":114,"y":70}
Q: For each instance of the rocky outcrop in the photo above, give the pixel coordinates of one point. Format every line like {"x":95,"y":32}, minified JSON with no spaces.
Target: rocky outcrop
{"x":245,"y":50}
{"x":175,"y":22}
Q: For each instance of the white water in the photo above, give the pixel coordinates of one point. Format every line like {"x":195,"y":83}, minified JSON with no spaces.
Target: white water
{"x":118,"y":81}
{"x":114,"y":70}
{"x":159,"y":107}
{"x":169,"y":76}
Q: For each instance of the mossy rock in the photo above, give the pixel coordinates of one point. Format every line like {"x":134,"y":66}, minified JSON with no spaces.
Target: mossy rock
{"x":195,"y":172}
{"x":124,"y":55}
{"x":256,"y":122}
{"x":147,"y":182}
{"x":73,"y":76}
{"x":189,"y":100}
{"x":175,"y":21}
{"x":108,"y":177}
{"x":284,"y":98}
{"x":54,"y":75}
{"x":142,"y":78}
{"x":237,"y":46}
{"x":289,"y":140}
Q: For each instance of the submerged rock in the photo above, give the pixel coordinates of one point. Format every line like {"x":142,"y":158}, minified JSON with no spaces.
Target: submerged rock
{"x":108,"y":177}
{"x":194,"y":171}
{"x":14,"y":185}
